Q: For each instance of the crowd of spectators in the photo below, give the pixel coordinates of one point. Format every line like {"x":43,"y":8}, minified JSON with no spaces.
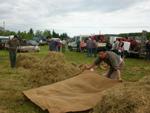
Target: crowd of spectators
{"x":56,"y":45}
{"x":90,"y":46}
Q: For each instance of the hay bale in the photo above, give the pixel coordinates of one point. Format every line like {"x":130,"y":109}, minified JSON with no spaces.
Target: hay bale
{"x":129,"y":98}
{"x":26,"y":61}
{"x":52,"y":68}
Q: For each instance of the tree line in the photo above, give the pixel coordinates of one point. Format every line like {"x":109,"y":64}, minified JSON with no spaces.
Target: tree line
{"x":47,"y":33}
{"x":147,"y":34}
{"x":30,"y":34}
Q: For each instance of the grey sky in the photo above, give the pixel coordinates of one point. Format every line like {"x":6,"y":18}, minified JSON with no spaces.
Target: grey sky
{"x":76,"y":16}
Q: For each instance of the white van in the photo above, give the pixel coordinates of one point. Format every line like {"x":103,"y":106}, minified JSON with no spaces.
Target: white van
{"x":72,"y":45}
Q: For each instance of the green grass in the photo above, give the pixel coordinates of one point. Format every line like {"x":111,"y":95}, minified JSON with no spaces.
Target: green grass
{"x":11,"y":80}
{"x":133,"y":70}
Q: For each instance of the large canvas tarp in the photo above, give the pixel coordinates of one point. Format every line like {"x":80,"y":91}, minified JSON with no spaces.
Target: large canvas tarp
{"x":79,"y":93}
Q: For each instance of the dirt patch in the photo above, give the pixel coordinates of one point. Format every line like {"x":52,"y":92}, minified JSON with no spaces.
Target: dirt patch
{"x":50,"y":69}
{"x":129,"y":98}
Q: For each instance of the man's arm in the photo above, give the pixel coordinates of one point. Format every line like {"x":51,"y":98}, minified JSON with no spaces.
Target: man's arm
{"x":17,"y":44}
{"x":8,"y":44}
{"x":90,"y":67}
{"x":96,"y":62}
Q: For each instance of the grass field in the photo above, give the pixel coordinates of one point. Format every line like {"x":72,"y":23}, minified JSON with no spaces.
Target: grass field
{"x":11,"y":86}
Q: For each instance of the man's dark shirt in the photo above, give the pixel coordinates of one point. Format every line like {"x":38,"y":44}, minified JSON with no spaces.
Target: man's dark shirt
{"x":13,"y":44}
{"x":112,"y":59}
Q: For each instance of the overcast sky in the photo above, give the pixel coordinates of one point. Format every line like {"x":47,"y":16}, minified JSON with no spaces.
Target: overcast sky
{"x":76,"y":17}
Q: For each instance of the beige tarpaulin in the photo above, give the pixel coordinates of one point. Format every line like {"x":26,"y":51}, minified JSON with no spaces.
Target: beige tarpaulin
{"x":79,"y":93}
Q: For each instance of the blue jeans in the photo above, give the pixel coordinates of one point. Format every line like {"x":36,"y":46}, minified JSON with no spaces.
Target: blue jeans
{"x":89,"y":52}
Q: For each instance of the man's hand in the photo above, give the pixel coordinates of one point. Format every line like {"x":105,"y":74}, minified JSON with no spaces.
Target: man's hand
{"x":88,"y":67}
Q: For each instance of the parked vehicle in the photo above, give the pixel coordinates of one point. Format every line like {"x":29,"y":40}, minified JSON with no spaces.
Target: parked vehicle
{"x":100,"y":39}
{"x":32,"y":43}
{"x":3,"y":41}
{"x":75,"y":41}
{"x":133,"y":46}
{"x":40,"y":40}
{"x":29,"y":46}
{"x":28,"y":49}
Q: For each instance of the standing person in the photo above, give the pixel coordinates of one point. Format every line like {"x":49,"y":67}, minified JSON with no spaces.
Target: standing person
{"x":13,"y":44}
{"x":121,"y":49}
{"x":52,"y":45}
{"x":108,"y":46}
{"x":49,"y":44}
{"x":115,"y":46}
{"x":58,"y":47}
{"x":89,"y":46}
{"x":113,"y":60}
{"x":82,"y":46}
{"x":148,"y":50}
{"x":78,"y":45}
{"x":94,"y":47}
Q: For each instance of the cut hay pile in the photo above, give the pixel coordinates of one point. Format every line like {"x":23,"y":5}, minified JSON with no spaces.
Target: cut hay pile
{"x":129,"y":98}
{"x":26,"y":61}
{"x":50,"y":69}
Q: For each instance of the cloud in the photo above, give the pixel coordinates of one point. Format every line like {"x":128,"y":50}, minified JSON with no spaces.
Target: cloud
{"x":76,"y":16}
{"x":110,"y":5}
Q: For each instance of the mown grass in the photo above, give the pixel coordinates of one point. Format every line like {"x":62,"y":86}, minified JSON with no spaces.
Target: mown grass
{"x":12,"y":80}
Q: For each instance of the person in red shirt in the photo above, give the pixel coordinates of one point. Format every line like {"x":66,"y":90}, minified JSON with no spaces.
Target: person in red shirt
{"x":82,"y":46}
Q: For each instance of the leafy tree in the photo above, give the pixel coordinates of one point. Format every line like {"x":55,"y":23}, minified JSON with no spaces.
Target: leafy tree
{"x":38,"y":33}
{"x":6,"y":33}
{"x":55,"y":35}
{"x":64,"y":36}
{"x":22,"y":34}
{"x":47,"y":33}
{"x":31,"y":31}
